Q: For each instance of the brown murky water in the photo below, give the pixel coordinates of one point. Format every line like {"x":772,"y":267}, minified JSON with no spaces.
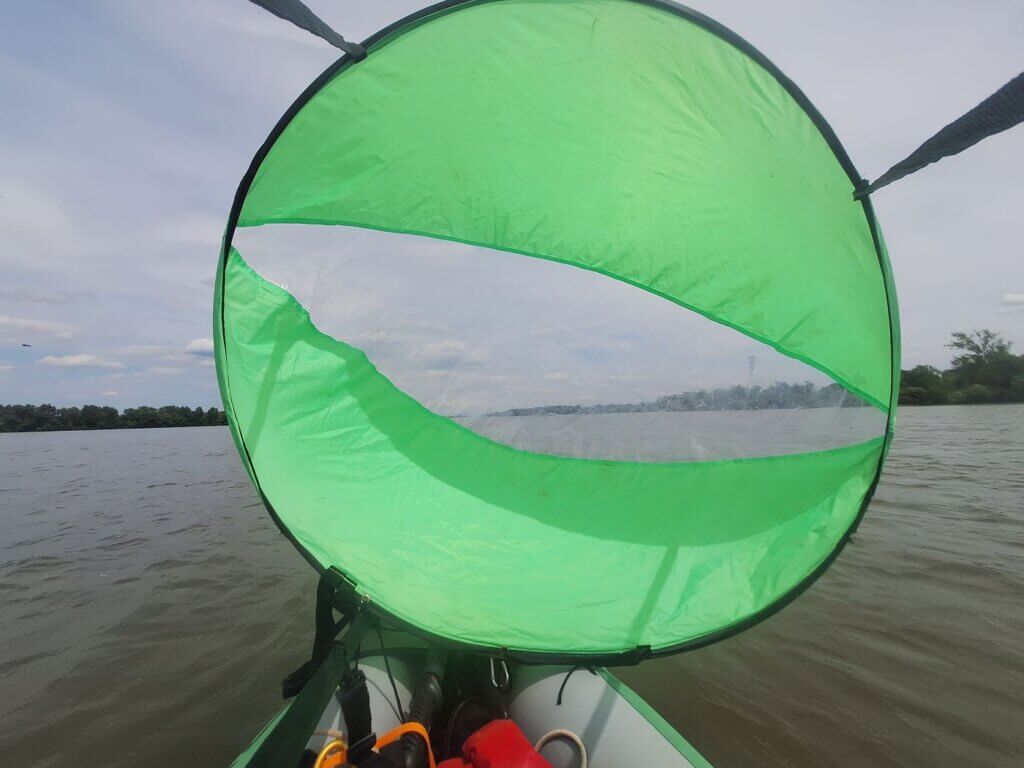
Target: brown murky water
{"x":149,"y":609}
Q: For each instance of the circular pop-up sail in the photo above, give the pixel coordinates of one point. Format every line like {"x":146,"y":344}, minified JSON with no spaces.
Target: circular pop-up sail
{"x":503,"y":322}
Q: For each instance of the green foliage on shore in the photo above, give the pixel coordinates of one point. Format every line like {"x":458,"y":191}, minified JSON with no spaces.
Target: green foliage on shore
{"x":48,"y":418}
{"x":984,"y":371}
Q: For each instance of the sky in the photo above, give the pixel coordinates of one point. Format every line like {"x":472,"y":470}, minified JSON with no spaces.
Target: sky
{"x":466,"y":330}
{"x":127,"y":126}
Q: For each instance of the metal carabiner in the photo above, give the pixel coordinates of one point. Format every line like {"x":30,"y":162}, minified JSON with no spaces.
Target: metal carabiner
{"x":506,"y":684}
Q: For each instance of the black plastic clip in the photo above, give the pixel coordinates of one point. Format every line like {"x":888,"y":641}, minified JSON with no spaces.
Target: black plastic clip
{"x":355,"y":709}
{"x":356,"y":51}
{"x":862,"y":190}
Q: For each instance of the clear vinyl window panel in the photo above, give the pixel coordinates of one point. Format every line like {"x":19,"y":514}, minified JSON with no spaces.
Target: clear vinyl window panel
{"x":551,"y":358}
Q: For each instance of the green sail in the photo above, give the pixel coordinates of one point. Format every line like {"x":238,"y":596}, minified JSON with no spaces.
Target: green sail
{"x":635,"y":140}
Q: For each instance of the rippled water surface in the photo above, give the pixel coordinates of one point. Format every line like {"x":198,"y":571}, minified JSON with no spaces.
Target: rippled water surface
{"x":149,"y":609}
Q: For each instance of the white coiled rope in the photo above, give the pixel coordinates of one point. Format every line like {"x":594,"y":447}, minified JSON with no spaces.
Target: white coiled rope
{"x":562,"y":733}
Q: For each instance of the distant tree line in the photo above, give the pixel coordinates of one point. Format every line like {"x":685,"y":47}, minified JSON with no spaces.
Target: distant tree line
{"x":737,"y":398}
{"x":48,"y":418}
{"x":984,"y":371}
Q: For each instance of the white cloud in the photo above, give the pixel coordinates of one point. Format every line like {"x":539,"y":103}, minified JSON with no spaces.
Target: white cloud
{"x":110,"y":393}
{"x":30,"y":209}
{"x":171,"y":354}
{"x":5,"y":368}
{"x":195,"y":228}
{"x":145,"y":350}
{"x":28,"y":328}
{"x":200,"y":347}
{"x":43,"y":296}
{"x":446,"y":354}
{"x":1011,"y":303}
{"x":161,"y":370}
{"x":557,"y":376}
{"x":80,"y":361}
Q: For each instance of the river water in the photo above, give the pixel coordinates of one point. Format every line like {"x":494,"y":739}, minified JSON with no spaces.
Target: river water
{"x":149,"y":609}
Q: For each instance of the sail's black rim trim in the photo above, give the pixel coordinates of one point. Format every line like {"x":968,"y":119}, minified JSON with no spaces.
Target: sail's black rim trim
{"x":636,"y":655}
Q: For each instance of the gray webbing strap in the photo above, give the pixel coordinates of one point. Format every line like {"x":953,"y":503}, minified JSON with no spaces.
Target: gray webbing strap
{"x":298,"y":14}
{"x":999,"y":112}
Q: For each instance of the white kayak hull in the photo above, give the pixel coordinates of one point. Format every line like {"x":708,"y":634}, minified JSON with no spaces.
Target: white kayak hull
{"x":617,"y":727}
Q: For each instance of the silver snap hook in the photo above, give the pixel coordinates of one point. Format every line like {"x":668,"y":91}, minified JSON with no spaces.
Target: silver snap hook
{"x":500,"y":672}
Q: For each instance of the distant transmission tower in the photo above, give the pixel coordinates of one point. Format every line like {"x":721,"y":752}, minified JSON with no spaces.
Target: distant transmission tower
{"x":751,"y":362}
